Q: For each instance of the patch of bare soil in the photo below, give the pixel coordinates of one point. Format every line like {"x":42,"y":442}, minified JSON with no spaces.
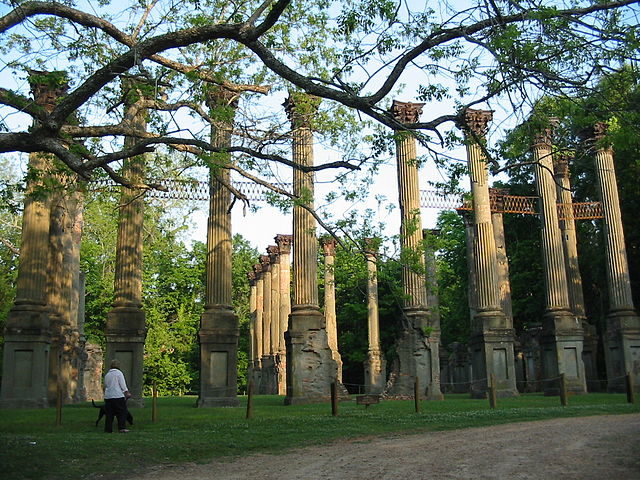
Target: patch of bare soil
{"x":586,"y":448}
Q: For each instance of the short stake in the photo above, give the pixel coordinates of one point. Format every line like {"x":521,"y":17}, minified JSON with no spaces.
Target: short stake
{"x":631,"y":394}
{"x":493,"y":395}
{"x":334,"y":399}
{"x":564,"y":401}
{"x":249,"y":400}
{"x":154,"y":403}
{"x":416,"y":394}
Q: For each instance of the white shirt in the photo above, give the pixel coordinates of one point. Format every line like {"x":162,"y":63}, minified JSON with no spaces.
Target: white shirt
{"x":114,"y":384}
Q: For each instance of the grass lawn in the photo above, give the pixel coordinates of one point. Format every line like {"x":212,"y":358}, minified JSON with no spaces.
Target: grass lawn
{"x":32,"y":447}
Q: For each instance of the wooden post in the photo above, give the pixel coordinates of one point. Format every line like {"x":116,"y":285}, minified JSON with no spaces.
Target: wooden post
{"x":493,"y":397}
{"x":416,"y":394}
{"x":249,"y":400}
{"x":58,"y":404}
{"x":334,"y":399}
{"x":59,"y":391}
{"x":631,"y":394}
{"x":154,"y":403}
{"x":563,"y":391}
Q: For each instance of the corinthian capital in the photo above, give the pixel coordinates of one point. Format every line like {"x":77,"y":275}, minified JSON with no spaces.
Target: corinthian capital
{"x":300,"y":108}
{"x":284,"y":242}
{"x":477,"y":121}
{"x":329,"y":246}
{"x":406,"y":112}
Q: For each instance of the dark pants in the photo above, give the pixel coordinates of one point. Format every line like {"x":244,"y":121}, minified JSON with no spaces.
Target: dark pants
{"x":115,"y":407}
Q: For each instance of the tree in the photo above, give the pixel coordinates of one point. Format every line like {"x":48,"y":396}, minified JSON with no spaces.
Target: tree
{"x":355,"y":56}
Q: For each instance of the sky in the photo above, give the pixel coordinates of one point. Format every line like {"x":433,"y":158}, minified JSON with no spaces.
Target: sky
{"x":261,"y":226}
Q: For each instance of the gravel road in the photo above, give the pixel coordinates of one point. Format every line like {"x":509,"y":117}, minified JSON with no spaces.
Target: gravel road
{"x":586,"y":448}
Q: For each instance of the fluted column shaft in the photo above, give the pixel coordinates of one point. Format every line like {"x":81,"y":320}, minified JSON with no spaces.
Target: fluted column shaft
{"x":329,"y":248}
{"x":305,"y":249}
{"x":34,"y":251}
{"x":128,"y":271}
{"x":259,"y":312}
{"x":472,"y":291}
{"x":274,"y":256}
{"x":373,"y":323}
{"x":266,"y":309}
{"x":284,"y":247}
{"x":413,"y":278}
{"x":484,"y":248}
{"x":620,"y":297}
{"x":556,"y":291}
{"x":569,"y":238}
{"x":504,"y":289}
{"x":253,"y":298}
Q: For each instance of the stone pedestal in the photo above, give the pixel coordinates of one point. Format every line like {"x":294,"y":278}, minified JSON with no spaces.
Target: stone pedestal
{"x":492,"y":334}
{"x":310,"y":367}
{"x":125,"y":335}
{"x":218,"y":358}
{"x":459,"y":368}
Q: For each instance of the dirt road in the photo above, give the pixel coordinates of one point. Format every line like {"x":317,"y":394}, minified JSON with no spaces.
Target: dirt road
{"x":587,"y":448}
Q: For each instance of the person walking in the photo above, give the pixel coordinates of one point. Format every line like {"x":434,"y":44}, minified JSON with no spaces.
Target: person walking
{"x":116,"y":395}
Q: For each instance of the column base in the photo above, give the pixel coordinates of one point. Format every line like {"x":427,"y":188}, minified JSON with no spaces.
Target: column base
{"x":27,"y":341}
{"x":310,"y":368}
{"x":281,"y":369}
{"x":125,"y":335}
{"x":492,"y":353}
{"x":417,"y":356}
{"x":622,"y":350}
{"x":562,"y":344}
{"x":269,"y":378}
{"x":375,"y":372}
{"x":218,"y":358}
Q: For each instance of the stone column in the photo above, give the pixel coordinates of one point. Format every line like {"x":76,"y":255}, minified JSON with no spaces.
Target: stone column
{"x":562,"y":331}
{"x":27,"y":334}
{"x":472,"y":291}
{"x":271,"y":320}
{"x":61,"y":271}
{"x":497,"y":195}
{"x":218,"y":324}
{"x":257,"y":362}
{"x":492,"y":336}
{"x":284,"y":247}
{"x":125,"y":331}
{"x":417,"y":347}
{"x":274,"y":257}
{"x":622,"y":338}
{"x":253,"y":298}
{"x":329,"y":249}
{"x":267,"y":360}
{"x":433,"y":300}
{"x":574,"y":279}
{"x":375,"y":366}
{"x":310,"y":367}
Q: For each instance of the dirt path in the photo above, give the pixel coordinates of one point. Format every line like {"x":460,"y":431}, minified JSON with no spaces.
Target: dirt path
{"x":587,"y":448}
